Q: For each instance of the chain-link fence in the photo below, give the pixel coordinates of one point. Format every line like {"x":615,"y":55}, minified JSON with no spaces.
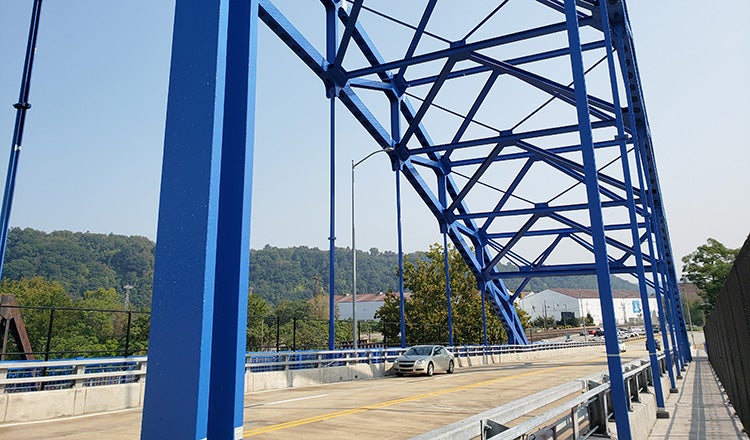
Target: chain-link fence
{"x":727,"y":333}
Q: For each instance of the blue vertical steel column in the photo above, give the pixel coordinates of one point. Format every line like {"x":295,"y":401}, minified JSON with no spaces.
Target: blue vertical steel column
{"x":635,"y":236}
{"x":331,"y":45}
{"x":673,"y":321}
{"x":395,"y":103}
{"x":617,"y":385}
{"x":682,"y":343}
{"x":15,"y":148}
{"x":226,"y":400}
{"x":645,"y":196}
{"x":197,"y":223}
{"x":484,"y":322}
{"x":401,"y":305}
{"x":448,"y":289}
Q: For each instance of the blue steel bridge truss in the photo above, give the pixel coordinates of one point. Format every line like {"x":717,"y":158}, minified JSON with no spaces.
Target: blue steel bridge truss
{"x":520,"y":124}
{"x":493,"y":127}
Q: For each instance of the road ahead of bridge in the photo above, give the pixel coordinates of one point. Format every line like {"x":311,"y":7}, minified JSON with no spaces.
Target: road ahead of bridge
{"x":390,"y":408}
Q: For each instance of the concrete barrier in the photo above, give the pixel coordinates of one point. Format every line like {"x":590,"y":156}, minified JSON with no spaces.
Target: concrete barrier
{"x":53,"y":404}
{"x":80,"y":399}
{"x":642,"y":416}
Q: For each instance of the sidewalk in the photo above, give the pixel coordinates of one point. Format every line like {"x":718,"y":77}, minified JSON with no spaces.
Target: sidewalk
{"x":700,"y":410}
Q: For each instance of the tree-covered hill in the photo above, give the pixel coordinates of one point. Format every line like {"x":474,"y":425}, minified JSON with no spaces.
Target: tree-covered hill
{"x":82,"y":261}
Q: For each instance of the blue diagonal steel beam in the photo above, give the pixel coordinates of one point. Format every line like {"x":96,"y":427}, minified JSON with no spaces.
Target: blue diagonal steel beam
{"x":459,"y":198}
{"x":573,"y":169}
{"x":573,"y":224}
{"x":508,"y":193}
{"x":508,"y":246}
{"x":417,"y":35}
{"x":348,"y":32}
{"x":561,"y":91}
{"x":469,"y":118}
{"x":538,"y":262}
{"x":416,"y":119}
{"x":279,"y":25}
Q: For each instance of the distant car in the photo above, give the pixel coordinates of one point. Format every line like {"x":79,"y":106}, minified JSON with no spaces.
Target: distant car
{"x":425,"y":359}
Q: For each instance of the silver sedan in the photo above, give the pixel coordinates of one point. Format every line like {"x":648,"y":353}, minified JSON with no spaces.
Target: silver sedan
{"x":424,"y":359}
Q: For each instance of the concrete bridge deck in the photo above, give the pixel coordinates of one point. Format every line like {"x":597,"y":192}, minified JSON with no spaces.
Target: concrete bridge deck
{"x":395,"y":408}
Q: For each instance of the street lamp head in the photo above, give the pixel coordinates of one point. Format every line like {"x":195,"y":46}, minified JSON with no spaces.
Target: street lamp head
{"x":386,"y":150}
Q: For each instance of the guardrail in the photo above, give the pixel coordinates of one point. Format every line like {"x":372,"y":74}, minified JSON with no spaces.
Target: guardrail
{"x":27,"y":376}
{"x":580,"y":417}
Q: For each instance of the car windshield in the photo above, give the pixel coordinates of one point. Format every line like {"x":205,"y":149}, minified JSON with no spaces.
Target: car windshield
{"x":419,"y":351}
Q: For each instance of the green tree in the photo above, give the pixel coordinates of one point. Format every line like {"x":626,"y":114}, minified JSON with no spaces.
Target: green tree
{"x":708,"y":267}
{"x":426,"y":311}
{"x":697,"y":315}
{"x":38,"y":292}
{"x":257,"y":310}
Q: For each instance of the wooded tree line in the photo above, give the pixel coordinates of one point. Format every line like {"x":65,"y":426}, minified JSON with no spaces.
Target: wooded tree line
{"x":94,"y":324}
{"x":89,"y":271}
{"x":83,"y":261}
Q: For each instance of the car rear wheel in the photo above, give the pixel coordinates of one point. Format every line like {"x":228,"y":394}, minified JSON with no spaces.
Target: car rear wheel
{"x":451,"y":367}
{"x":430,"y":369}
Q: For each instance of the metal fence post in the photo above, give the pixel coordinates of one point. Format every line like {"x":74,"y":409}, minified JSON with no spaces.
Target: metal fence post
{"x":127,"y":334}
{"x":278,"y":331}
{"x":49,"y":333}
{"x":294,"y":334}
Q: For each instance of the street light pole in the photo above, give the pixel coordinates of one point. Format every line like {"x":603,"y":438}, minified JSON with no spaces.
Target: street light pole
{"x":355,"y":332}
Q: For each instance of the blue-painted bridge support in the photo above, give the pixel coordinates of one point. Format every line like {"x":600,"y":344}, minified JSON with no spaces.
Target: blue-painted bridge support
{"x":520,"y":124}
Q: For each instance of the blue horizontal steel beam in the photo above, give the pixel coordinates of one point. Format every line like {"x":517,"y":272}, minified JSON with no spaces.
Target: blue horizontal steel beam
{"x":519,"y":61}
{"x":506,"y":137}
{"x":563,"y":270}
{"x":540,"y":209}
{"x":559,"y":231}
{"x":462,"y":49}
{"x":525,"y":154}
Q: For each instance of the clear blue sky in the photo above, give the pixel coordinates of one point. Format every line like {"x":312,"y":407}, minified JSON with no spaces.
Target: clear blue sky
{"x":92,"y":151}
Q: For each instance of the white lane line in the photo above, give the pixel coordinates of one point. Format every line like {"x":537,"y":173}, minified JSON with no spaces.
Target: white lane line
{"x":279,"y":402}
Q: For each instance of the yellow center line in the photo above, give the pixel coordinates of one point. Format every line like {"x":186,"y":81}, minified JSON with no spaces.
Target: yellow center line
{"x":346,"y":412}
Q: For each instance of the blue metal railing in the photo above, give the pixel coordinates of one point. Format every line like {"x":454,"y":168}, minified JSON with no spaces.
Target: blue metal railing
{"x":30,"y":376}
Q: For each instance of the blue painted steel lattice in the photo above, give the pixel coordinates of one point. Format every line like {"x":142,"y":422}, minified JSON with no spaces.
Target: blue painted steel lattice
{"x":481,"y":109}
{"x":521,"y":125}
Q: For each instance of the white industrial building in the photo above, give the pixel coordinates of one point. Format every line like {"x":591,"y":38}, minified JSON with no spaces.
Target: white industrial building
{"x":554,"y":303}
{"x":367,"y":305}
